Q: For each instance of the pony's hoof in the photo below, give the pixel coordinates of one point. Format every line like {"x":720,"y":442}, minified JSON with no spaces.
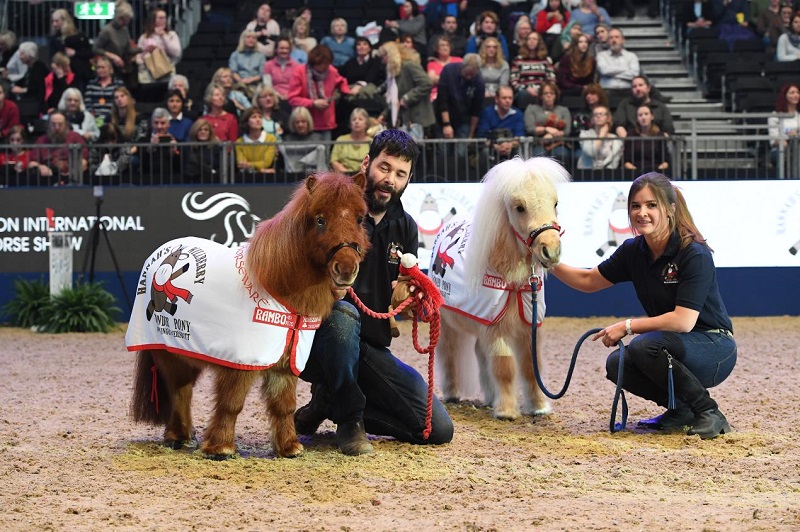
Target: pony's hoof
{"x":177,"y":445}
{"x":547,"y":408}
{"x":218,"y":457}
{"x":292,"y":451}
{"x":451,"y":399}
{"x":506,"y":415}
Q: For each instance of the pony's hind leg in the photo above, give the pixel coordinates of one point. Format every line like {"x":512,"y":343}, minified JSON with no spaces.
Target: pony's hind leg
{"x":230,"y":390}
{"x":279,"y":391}
{"x":535,"y":401}
{"x":179,"y":376}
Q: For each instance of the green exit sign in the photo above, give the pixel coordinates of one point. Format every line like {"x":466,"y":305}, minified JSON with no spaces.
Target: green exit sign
{"x":94,"y":10}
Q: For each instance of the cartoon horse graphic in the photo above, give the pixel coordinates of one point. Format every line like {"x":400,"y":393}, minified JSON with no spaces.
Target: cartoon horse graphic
{"x":163,"y":294}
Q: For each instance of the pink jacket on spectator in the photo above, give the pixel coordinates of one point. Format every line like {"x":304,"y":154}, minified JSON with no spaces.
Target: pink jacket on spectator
{"x":299,"y":96}
{"x":281,"y":75}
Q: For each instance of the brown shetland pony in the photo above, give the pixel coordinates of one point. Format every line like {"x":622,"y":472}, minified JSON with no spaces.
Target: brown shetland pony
{"x":302,"y":256}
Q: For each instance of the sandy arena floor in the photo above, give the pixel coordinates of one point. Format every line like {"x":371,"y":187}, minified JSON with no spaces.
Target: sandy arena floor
{"x":72,"y":460}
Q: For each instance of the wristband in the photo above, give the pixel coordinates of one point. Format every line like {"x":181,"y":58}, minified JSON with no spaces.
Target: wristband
{"x":628,"y":326}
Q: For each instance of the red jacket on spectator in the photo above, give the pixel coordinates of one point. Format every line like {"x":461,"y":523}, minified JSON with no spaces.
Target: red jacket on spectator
{"x":225,"y":126}
{"x":9,"y":117}
{"x":300,"y":96}
{"x":58,"y":156}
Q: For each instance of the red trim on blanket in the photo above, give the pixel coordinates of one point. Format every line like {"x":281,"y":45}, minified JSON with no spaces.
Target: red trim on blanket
{"x":212,"y":360}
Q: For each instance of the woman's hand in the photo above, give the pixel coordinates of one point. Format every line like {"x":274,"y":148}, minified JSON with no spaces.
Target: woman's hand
{"x":611,"y":334}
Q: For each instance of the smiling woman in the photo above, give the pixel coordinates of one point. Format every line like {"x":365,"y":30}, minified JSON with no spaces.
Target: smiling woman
{"x":687,"y":338}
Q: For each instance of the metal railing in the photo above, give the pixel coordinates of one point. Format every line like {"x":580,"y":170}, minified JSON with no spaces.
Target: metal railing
{"x":747,"y":156}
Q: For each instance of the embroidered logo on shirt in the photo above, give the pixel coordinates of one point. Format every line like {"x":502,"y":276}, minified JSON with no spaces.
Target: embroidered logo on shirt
{"x":670,"y":273}
{"x":395,"y":252}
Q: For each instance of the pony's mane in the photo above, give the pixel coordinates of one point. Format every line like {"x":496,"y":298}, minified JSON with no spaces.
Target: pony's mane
{"x":278,"y":256}
{"x":492,"y":232}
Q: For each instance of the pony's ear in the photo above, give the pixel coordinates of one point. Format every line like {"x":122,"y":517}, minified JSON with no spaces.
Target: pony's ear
{"x":311,"y":182}
{"x":360,"y":180}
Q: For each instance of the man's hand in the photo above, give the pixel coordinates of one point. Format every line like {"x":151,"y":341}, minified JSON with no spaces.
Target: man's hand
{"x":402,"y":289}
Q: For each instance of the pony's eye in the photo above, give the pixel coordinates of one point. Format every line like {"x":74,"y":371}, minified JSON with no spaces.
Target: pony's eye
{"x":320,"y":222}
{"x":520,"y":208}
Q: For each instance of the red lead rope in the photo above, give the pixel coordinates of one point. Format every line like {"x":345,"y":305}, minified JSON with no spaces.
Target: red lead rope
{"x":427,"y":312}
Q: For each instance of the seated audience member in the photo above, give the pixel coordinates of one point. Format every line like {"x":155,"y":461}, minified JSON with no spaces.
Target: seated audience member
{"x":273,"y":114}
{"x":109,"y":160}
{"x":59,"y":79}
{"x":301,"y":35}
{"x":588,"y":15}
{"x":449,"y":28}
{"x":267,"y":30}
{"x":788,"y":47}
{"x":14,"y":159}
{"x":157,"y":36}
{"x":9,"y":114}
{"x":438,"y":61}
{"x":225,"y":124}
{"x":550,"y":122}
{"x":203,"y":158}
{"x":781,"y":130}
{"x":315,"y":87}
{"x":8,"y":50}
{"x":255,"y":149}
{"x":498,"y":121}
{"x":246,"y":62}
{"x":764,"y":13}
{"x":69,"y":40}
{"x":601,"y":149}
{"x":161,"y":160}
{"x":487,"y":25}
{"x":522,"y":28}
{"x":733,"y":21}
{"x":693,"y":15}
{"x":364,"y":72}
{"x":178,"y":82}
{"x":341,"y":45}
{"x":616,"y":67}
{"x":114,"y":42}
{"x":301,"y":151}
{"x":460,"y":101}
{"x":529,"y":70}
{"x":593,"y":95}
{"x":31,"y":86}
{"x":80,"y":120}
{"x":562,"y":44}
{"x":778,"y":26}
{"x":551,"y":21}
{"x":50,"y":161}
{"x":495,"y":69}
{"x":236,"y":98}
{"x":600,"y":42}
{"x":412,"y":22}
{"x":279,"y":70}
{"x":179,"y":123}
{"x":99,"y":94}
{"x":577,"y":67}
{"x":625,"y":116}
{"x":645,"y":149}
{"x":349,"y":151}
{"x":132,"y":126}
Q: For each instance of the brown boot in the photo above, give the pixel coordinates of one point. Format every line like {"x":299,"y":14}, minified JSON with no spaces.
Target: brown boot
{"x":352,"y":438}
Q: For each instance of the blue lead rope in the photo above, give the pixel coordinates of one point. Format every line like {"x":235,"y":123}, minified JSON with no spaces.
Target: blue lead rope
{"x":619,"y":393}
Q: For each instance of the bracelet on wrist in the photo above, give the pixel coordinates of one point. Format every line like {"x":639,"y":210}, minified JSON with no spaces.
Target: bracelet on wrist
{"x":628,"y":326}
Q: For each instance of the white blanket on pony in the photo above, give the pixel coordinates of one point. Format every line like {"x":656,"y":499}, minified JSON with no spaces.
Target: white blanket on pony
{"x":492,"y":299}
{"x":196,"y":298}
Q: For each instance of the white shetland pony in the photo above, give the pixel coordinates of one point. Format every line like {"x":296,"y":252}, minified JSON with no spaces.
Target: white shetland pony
{"x":484,"y":267}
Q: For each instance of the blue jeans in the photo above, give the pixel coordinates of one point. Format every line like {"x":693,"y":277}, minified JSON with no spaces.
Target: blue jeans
{"x":363,"y":381}
{"x":710,"y":357}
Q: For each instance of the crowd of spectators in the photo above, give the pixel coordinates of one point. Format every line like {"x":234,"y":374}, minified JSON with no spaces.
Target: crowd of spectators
{"x":497,"y":77}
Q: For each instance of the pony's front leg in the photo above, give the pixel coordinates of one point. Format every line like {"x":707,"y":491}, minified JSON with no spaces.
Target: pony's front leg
{"x":230,"y":390}
{"x":179,"y":377}
{"x":535,"y":401}
{"x":503,"y":371}
{"x":279,"y":391}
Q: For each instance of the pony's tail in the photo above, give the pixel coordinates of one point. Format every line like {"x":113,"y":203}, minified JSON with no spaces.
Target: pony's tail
{"x":151,"y":401}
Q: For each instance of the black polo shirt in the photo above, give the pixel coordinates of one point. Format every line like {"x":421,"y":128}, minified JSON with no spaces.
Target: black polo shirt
{"x":679,"y":277}
{"x":395,"y":235}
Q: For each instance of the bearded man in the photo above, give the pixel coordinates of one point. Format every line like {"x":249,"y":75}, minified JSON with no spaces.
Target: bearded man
{"x":51,"y":163}
{"x":356,"y":381}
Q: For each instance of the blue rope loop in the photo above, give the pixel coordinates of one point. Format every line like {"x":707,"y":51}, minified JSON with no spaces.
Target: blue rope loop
{"x":619,"y":393}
